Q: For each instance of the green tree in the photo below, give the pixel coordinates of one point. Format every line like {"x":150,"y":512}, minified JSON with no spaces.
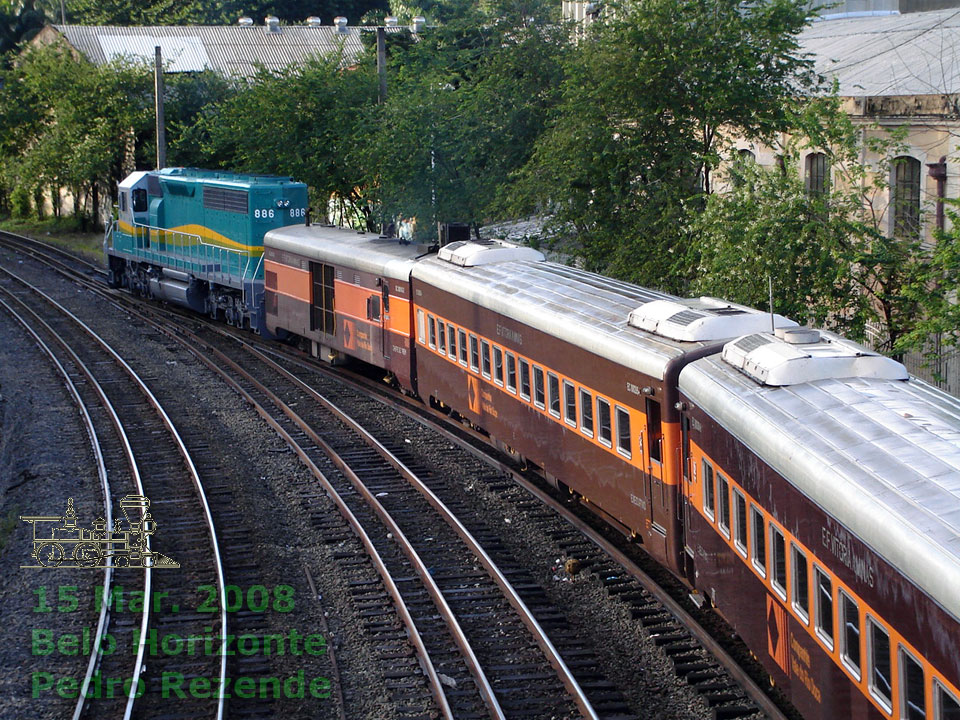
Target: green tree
{"x":307,"y":122}
{"x":649,"y":99}
{"x":67,"y":124}
{"x":465,"y":105}
{"x":829,"y":254}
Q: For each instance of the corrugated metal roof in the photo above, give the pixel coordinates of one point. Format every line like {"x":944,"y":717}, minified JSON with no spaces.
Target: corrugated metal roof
{"x":912,"y":54}
{"x":231,"y":50}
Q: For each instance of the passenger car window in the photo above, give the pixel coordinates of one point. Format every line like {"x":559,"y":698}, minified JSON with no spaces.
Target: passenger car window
{"x":586,"y":412}
{"x":779,"y":550}
{"x":879,"y":658}
{"x":538,"y":396}
{"x":740,"y":522}
{"x":511,"y":372}
{"x":708,"y":490}
{"x":824,"y":606}
{"x":724,"y":507}
{"x":947,"y":706}
{"x":850,"y":633}
{"x":604,"y":429}
{"x":758,"y":550}
{"x":913,"y":703}
{"x":441,"y":337}
{"x":524,"y":379}
{"x":570,"y":403}
{"x":623,"y":431}
{"x":553,"y":385}
{"x":485,"y":358}
{"x":800,"y":594}
{"x":474,"y":353}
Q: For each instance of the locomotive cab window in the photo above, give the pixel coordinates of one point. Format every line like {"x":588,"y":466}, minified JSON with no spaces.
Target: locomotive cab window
{"x":538,"y":390}
{"x":824,"y":606}
{"x":497,"y":365}
{"x":654,"y":430}
{"x":604,"y":429}
{"x":123,"y":202}
{"x":553,"y":388}
{"x":586,"y":412}
{"x":441,"y":337}
{"x":913,"y":704}
{"x":623,"y":432}
{"x":778,"y":561}
{"x":850,"y":633}
{"x":474,"y":353}
{"x":740,"y":522}
{"x":432,"y":328}
{"x":800,"y":591}
{"x":758,"y":550}
{"x":512,"y":373}
{"x":139,"y":200}
{"x":709,"y":491}
{"x":946,"y":705}
{"x":878,"y":656}
{"x":569,"y":403}
{"x":724,"y":506}
{"x":462,"y":344}
{"x":485,"y":358}
{"x":524,"y":379}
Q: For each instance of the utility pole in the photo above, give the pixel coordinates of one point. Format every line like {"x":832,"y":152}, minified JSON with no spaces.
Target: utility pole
{"x":63,"y":12}
{"x":161,"y":127}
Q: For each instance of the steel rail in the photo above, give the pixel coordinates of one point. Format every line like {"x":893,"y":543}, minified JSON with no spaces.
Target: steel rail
{"x":104,"y":615}
{"x":440,"y":423}
{"x":198,"y":485}
{"x":24,"y":242}
{"x":414,"y":634}
{"x":513,"y":597}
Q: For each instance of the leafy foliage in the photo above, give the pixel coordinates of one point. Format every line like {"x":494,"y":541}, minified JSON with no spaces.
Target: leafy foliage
{"x":465,"y":106}
{"x":648,"y":101}
{"x":829,"y":255}
{"x":307,"y":122}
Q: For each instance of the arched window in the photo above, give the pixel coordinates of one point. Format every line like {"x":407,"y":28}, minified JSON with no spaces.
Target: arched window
{"x":743,"y":159}
{"x":816,"y":177}
{"x":905,"y":196}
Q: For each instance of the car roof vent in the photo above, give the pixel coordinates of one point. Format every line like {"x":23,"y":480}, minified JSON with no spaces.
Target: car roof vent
{"x":701,"y":319}
{"x":801,"y":355}
{"x":470,"y":253}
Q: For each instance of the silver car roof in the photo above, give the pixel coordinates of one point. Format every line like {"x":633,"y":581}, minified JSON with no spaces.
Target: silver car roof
{"x":881,"y":456}
{"x":341,"y":246}
{"x":583,"y":308}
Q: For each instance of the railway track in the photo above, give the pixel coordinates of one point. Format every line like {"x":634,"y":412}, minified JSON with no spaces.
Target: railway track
{"x":696,"y":656}
{"x":147,"y":455}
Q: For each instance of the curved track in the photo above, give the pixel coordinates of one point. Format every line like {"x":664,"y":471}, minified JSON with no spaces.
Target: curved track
{"x":148,"y":452}
{"x":719,"y":678}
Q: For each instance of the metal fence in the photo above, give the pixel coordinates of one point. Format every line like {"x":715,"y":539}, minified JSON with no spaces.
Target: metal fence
{"x":941,"y":367}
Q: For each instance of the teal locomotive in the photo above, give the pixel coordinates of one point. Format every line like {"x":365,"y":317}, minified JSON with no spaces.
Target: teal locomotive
{"x":195,"y":238}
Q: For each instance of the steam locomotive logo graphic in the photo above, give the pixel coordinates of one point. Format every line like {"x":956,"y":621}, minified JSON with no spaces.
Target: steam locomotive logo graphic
{"x":59,"y":542}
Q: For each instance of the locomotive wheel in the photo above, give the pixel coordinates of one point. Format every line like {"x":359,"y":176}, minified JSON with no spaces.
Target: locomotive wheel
{"x":50,"y":554}
{"x":88,"y":554}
